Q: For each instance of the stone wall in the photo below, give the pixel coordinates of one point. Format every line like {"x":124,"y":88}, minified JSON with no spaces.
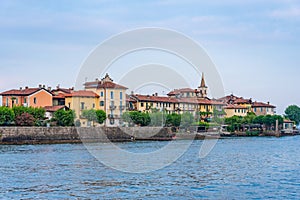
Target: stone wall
{"x":52,"y":135}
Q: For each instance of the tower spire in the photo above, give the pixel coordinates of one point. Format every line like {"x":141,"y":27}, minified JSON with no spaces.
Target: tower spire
{"x":202,"y":81}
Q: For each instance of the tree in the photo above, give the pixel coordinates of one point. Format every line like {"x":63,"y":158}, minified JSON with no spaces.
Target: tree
{"x":293,"y":113}
{"x":64,"y":117}
{"x":186,"y":119}
{"x":173,"y":120}
{"x":90,"y":115}
{"x":101,"y":116}
{"x":37,"y":113}
{"x":25,"y":119}
{"x":136,"y":117}
{"x":249,"y":118}
{"x":157,"y":119}
{"x":7,"y":116}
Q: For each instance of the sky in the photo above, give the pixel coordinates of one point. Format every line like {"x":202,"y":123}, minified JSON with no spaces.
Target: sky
{"x":254,"y":44}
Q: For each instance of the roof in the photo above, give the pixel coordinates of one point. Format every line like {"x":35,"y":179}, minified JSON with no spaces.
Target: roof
{"x":152,"y":98}
{"x":23,"y":92}
{"x":59,"y":96}
{"x":194,"y":100}
{"x":82,"y":93}
{"x":288,"y":121}
{"x":179,"y":91}
{"x":232,"y":106}
{"x":242,"y":100}
{"x":202,"y":81}
{"x":64,"y":90}
{"x":53,"y":108}
{"x":261,"y":104}
{"x":105,"y":82}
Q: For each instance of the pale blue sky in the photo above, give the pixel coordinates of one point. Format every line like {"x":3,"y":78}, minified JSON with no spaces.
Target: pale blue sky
{"x":254,"y":44}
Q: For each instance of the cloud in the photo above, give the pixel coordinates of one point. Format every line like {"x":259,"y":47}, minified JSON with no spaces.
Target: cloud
{"x":287,"y":13}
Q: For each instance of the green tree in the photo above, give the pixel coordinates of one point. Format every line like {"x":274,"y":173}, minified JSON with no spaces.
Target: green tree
{"x":138,"y":118}
{"x":249,"y":118}
{"x":293,"y":113}
{"x":64,"y":117}
{"x":173,"y":120}
{"x":37,"y":113}
{"x":186,"y":119}
{"x":234,"y":123}
{"x":7,"y":116}
{"x":101,"y":116}
{"x":157,"y":119}
{"x":90,"y":115}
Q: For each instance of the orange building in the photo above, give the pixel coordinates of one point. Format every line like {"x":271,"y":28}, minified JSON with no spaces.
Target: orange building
{"x":27,"y":97}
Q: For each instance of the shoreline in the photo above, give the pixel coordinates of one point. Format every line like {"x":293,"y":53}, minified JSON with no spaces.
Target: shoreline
{"x":75,"y":135}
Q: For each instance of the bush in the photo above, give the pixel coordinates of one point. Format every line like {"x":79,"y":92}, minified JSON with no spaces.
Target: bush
{"x":25,"y":119}
{"x":7,"y":116}
{"x":64,"y":117}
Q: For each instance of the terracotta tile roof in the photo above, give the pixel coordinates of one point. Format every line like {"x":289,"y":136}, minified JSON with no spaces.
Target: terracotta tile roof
{"x":23,"y":92}
{"x":179,"y":91}
{"x":64,"y":90}
{"x":82,"y":93}
{"x":192,"y":100}
{"x":150,"y":98}
{"x":242,"y":100}
{"x":59,"y":96}
{"x":261,"y":104}
{"x":53,"y":108}
{"x":232,"y":106}
{"x":101,"y":84}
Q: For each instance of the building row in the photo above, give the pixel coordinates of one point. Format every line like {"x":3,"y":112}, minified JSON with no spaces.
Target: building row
{"x":114,"y":99}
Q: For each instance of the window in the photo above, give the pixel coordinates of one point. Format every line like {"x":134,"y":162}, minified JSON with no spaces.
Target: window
{"x":101,"y":103}
{"x":112,"y":95}
{"x":101,"y":94}
{"x":16,"y":100}
{"x":34,"y":100}
{"x":82,"y":105}
{"x":142,"y":104}
{"x":69,"y":105}
{"x":261,"y":109}
{"x":121,"y":95}
{"x":6,"y":101}
{"x":93,"y":105}
{"x":254,"y":109}
{"x":25,"y":100}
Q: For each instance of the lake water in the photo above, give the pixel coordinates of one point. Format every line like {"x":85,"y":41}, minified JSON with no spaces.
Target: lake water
{"x":237,"y":168}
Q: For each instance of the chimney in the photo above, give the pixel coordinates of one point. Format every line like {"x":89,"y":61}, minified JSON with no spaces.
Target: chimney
{"x":268,"y":102}
{"x":132,"y":93}
{"x":44,"y":86}
{"x":156,"y":94}
{"x":20,"y":88}
{"x":49,"y":88}
{"x":26,"y":87}
{"x":40,"y":86}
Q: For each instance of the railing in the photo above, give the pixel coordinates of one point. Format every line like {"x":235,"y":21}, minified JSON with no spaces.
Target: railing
{"x":112,"y":107}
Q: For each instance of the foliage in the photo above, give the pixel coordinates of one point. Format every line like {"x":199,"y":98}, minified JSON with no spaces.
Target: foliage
{"x":37,"y":113}
{"x":25,"y":119}
{"x":90,"y":115}
{"x":7,"y":116}
{"x":101,"y":116}
{"x":136,"y":117}
{"x":64,"y":117}
{"x":173,"y":120}
{"x":248,"y":119}
{"x":157,"y":119}
{"x":293,"y":113}
{"x":186,"y":119}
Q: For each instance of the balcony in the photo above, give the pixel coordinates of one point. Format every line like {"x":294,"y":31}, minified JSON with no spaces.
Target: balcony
{"x":112,"y":107}
{"x":122,"y":107}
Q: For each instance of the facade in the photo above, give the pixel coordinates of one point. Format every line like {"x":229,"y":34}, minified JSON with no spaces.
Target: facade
{"x":27,"y":97}
{"x":260,"y":108}
{"x":178,"y":101}
{"x":59,"y":95}
{"x":238,"y":110}
{"x":112,"y":98}
{"x":82,"y":100}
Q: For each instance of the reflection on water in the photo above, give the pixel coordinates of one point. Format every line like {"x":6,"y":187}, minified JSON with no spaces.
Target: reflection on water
{"x":240,"y":168}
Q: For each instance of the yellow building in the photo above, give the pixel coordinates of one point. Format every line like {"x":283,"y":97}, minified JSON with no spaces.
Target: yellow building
{"x":82,"y":100}
{"x":112,"y":98}
{"x":237,"y":110}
